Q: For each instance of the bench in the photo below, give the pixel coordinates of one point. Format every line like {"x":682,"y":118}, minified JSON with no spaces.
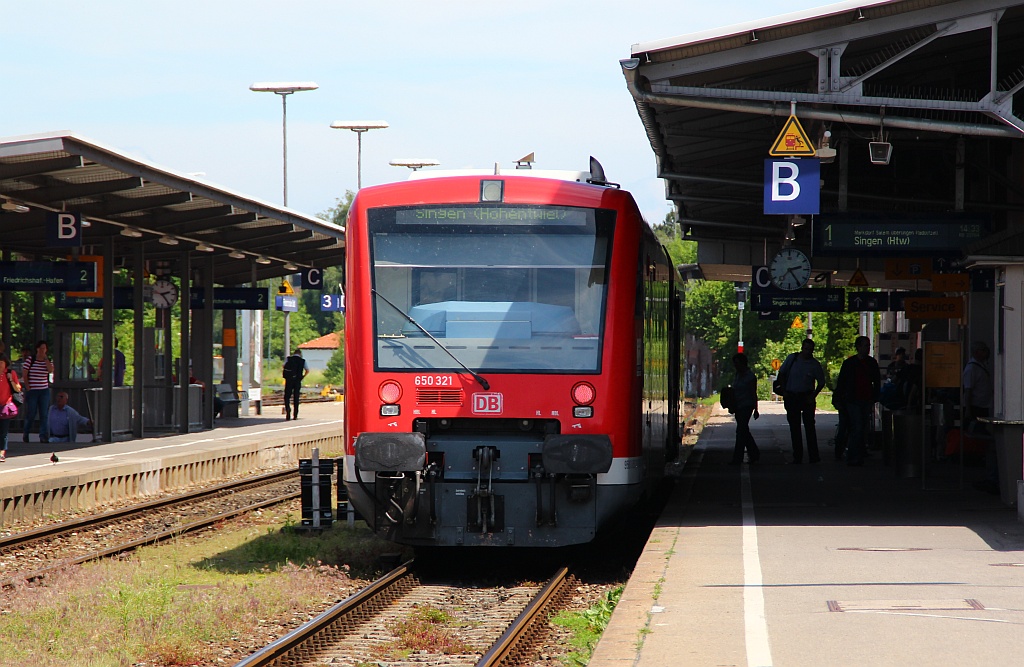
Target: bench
{"x":229,"y":400}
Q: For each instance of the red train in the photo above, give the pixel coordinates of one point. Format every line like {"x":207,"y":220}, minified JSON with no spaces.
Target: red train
{"x":513,"y":353}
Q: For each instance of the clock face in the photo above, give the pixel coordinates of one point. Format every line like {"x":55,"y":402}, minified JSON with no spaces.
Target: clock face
{"x":165,"y":294}
{"x":790,"y":269}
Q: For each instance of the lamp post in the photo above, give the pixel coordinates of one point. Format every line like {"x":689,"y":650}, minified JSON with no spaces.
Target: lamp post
{"x":414,"y":163}
{"x":359,"y":126}
{"x":741,"y":302}
{"x":284,"y":89}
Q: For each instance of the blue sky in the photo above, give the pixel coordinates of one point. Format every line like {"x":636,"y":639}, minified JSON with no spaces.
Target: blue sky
{"x":468,"y":83}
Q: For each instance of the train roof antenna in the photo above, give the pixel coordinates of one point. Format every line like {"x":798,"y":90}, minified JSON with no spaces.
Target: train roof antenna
{"x":597,"y":174}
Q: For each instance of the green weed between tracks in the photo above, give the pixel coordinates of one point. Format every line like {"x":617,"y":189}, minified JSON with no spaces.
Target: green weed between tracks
{"x":587,"y":626}
{"x":179,"y":603}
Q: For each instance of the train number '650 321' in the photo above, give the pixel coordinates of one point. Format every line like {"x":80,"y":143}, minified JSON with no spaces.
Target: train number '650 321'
{"x":435,"y":381}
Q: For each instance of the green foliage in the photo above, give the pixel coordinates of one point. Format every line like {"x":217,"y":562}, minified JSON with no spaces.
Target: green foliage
{"x":335,"y":371}
{"x":587,"y":626}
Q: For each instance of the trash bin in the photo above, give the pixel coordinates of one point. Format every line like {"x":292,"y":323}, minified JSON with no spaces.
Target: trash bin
{"x":907,"y":443}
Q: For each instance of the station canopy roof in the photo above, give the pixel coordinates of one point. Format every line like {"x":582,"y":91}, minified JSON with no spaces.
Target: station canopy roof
{"x":135,"y":202}
{"x":938,"y":80}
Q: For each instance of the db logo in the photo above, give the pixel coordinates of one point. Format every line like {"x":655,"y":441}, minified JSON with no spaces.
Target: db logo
{"x":488,"y":404}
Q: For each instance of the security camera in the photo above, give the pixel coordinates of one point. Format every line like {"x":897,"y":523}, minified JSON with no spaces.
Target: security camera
{"x":880,"y":152}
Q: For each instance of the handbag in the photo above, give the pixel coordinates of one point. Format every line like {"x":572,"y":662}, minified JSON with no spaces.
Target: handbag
{"x":17,"y":396}
{"x":9,"y":411}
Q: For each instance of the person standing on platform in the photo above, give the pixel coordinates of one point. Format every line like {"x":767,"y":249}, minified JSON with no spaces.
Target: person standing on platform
{"x":119,"y":365}
{"x":857,"y":390}
{"x":295,"y":369}
{"x":745,"y":388}
{"x":9,"y":384}
{"x":35,"y":375}
{"x":805,"y":379}
{"x":64,"y":421}
{"x":978,"y":391}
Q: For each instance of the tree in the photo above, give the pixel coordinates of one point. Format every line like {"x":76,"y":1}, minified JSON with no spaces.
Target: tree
{"x":335,"y":371}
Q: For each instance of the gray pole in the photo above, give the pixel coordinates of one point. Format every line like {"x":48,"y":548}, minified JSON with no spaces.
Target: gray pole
{"x":359,"y":160}
{"x":284,"y":144}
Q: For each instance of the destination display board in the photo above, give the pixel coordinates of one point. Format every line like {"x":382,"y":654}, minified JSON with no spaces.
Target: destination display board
{"x":47,"y":276}
{"x":122,"y":299}
{"x":822,"y":300}
{"x":895,"y":235}
{"x":232,"y":298}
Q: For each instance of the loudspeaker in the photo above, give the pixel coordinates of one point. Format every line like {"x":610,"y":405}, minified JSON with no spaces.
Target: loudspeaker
{"x":880,"y":152}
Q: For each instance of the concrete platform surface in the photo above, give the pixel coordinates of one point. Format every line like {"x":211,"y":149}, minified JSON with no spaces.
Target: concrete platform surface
{"x":88,"y":474}
{"x":821,"y":564}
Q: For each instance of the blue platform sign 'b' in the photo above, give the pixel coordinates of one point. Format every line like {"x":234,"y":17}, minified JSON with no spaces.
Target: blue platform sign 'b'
{"x":792,"y":186}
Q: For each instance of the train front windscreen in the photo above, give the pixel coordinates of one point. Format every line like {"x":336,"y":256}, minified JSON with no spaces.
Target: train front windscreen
{"x":496,"y":287}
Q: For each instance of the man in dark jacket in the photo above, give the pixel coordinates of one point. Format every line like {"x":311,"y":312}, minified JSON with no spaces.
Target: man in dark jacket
{"x":295,"y":369}
{"x":857,"y":391}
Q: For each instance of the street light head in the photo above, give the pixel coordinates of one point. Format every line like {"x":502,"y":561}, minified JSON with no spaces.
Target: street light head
{"x":414,"y":163}
{"x":283,"y":87}
{"x":359,"y":125}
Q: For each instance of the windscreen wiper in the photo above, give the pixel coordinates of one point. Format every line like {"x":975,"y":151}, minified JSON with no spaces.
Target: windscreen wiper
{"x":479,"y":378}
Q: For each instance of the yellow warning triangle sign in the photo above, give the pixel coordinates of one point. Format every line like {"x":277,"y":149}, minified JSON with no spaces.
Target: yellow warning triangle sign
{"x":858,"y":279}
{"x":792,"y":141}
{"x":797,"y":323}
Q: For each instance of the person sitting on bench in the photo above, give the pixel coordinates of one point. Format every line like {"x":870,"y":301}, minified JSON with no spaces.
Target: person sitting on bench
{"x":64,"y":421}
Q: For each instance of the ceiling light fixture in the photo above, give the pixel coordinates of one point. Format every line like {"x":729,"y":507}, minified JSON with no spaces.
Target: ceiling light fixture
{"x":12,"y":207}
{"x":202,"y":247}
{"x":168,"y":240}
{"x":236,"y":254}
{"x":131,"y":232}
{"x":262,"y":260}
{"x":290,"y":267}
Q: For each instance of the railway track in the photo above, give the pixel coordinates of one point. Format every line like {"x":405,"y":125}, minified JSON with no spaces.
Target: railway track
{"x":32,"y":554}
{"x":362,"y":629}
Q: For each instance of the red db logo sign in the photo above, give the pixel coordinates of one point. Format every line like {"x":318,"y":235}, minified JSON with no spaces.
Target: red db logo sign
{"x":487,"y":404}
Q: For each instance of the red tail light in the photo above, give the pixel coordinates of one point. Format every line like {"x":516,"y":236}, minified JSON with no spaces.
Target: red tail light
{"x":584,"y":393}
{"x":390,"y":391}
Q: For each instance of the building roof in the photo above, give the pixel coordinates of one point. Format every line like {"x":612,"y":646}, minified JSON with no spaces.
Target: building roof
{"x":120,"y":195}
{"x":331,"y":341}
{"x":938,"y":80}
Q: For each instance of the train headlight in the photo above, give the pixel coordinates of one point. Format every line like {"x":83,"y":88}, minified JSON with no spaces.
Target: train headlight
{"x":583,"y":393}
{"x":390,"y":410}
{"x":582,"y":411}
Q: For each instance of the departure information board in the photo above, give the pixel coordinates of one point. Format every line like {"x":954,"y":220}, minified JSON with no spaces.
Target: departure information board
{"x":895,"y":236}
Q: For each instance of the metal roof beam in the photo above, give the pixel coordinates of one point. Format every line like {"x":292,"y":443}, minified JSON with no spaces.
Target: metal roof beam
{"x":116,"y":205}
{"x":64,"y":192}
{"x":161,"y":218}
{"x":214,"y":225}
{"x":18,"y":170}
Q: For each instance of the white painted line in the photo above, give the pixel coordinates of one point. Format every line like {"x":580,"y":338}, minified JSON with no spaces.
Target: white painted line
{"x":759,"y":653}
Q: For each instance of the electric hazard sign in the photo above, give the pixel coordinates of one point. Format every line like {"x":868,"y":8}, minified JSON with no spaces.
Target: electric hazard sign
{"x":792,"y":141}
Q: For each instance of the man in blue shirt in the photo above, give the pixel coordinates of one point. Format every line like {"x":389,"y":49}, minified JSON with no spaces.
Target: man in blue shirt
{"x":64,"y":420}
